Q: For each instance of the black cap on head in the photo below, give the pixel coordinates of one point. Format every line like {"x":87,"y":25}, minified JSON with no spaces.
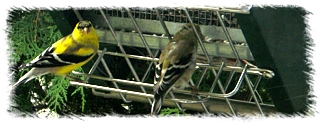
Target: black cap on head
{"x":83,"y":24}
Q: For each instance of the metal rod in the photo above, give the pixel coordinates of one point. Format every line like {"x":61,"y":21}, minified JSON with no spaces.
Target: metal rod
{"x":229,"y":38}
{"x":122,"y":50}
{"x":149,"y":68}
{"x":255,"y":71}
{"x":132,"y":56}
{"x":100,"y":58}
{"x":235,"y":53}
{"x":111,"y":76}
{"x":253,"y":94}
{"x":94,"y":66}
{"x":145,"y":44}
{"x":216,"y":105}
{"x":255,"y":88}
{"x":204,"y":49}
{"x":232,"y":47}
{"x":201,"y":77}
{"x":255,"y":91}
{"x":229,"y":80}
{"x":221,"y":87}
{"x":77,"y":14}
{"x":111,"y":89}
{"x":238,"y":60}
{"x":142,"y":94}
{"x":217,"y":77}
{"x":169,"y":37}
{"x":198,"y":36}
{"x":163,"y":24}
{"x":206,"y":53}
{"x":176,"y":103}
{"x":139,"y":31}
{"x":205,"y":94}
{"x":238,"y":10}
{"x":227,"y":100}
{"x":200,"y":41}
{"x":114,"y":79}
{"x":202,"y":103}
{"x":233,"y":92}
{"x":106,"y":68}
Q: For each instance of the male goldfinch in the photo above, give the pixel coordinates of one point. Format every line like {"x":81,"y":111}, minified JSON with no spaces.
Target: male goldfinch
{"x":176,"y":64}
{"x":65,"y":55}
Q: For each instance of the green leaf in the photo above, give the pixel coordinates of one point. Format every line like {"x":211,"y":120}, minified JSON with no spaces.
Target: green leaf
{"x":81,"y":90}
{"x":171,"y":111}
{"x":57,"y":93}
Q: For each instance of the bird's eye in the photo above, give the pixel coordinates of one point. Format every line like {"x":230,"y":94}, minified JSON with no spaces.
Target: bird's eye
{"x":87,"y":25}
{"x":80,"y":27}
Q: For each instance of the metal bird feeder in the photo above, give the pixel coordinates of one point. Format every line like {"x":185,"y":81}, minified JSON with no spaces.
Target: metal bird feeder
{"x":151,"y":29}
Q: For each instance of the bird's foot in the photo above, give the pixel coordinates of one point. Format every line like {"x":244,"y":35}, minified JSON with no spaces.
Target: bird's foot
{"x":76,"y":79}
{"x":194,"y":90}
{"x":79,"y":80}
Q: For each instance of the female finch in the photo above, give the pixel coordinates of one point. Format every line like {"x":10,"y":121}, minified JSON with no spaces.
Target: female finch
{"x":176,"y":64}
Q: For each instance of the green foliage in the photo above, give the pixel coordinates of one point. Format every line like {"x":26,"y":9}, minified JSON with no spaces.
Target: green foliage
{"x":30,"y":32}
{"x":57,"y":94}
{"x":26,"y":103}
{"x":80,"y":89}
{"x":171,"y":111}
{"x":196,"y":78}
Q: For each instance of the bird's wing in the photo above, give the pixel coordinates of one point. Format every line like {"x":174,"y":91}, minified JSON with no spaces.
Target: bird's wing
{"x":169,"y":71}
{"x":49,"y":57}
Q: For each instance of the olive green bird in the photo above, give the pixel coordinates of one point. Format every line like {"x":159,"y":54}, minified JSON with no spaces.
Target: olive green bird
{"x":176,"y":64}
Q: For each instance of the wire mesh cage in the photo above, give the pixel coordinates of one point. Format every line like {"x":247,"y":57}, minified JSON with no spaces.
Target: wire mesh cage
{"x":226,"y":81}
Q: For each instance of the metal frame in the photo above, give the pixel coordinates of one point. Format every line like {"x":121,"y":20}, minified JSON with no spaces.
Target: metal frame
{"x":202,"y":97}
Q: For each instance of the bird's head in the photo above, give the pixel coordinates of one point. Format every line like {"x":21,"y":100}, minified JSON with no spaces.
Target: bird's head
{"x":187,"y":31}
{"x":84,"y":26}
{"x":188,"y":27}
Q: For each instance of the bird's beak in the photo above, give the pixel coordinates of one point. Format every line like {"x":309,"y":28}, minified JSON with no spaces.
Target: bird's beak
{"x":86,"y":30}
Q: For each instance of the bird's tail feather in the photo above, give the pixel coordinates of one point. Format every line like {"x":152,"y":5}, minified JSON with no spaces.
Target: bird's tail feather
{"x":21,"y":81}
{"x":156,"y":105}
{"x":33,"y":73}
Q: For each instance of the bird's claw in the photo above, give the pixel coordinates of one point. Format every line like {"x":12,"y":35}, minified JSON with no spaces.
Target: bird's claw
{"x":79,"y":80}
{"x":76,"y":79}
{"x":194,"y":90}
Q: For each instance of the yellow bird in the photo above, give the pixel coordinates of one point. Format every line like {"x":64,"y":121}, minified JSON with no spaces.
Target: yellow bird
{"x":65,"y":55}
{"x":176,"y":64}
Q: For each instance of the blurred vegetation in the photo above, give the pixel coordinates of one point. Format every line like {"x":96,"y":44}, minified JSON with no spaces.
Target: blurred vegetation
{"x":32,"y":31}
